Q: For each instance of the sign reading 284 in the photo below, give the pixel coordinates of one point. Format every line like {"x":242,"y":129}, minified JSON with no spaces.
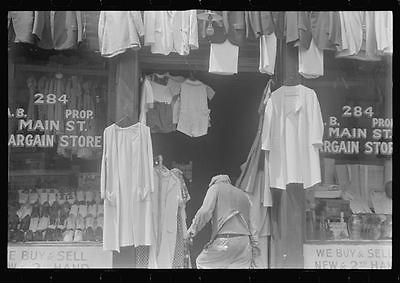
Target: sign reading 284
{"x":40,"y":98}
{"x":357,"y":111}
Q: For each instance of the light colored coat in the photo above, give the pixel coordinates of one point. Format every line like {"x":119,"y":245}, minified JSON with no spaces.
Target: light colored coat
{"x":119,"y":31}
{"x":171,"y":31}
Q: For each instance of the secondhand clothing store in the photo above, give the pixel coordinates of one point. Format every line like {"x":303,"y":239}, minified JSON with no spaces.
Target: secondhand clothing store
{"x":200,"y":139}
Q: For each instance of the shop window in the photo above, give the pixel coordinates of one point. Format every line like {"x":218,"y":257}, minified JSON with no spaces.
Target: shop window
{"x":56,"y":121}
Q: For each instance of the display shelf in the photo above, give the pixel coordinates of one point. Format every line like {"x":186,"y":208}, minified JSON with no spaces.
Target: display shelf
{"x":350,"y":242}
{"x":64,"y":70}
{"x":55,"y":244}
{"x":40,"y":172}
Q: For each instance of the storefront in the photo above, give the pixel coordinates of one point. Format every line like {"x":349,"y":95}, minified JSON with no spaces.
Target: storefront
{"x":67,"y":94}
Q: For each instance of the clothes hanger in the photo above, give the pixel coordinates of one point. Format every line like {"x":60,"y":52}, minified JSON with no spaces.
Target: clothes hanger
{"x":191,"y":75}
{"x":59,"y":75}
{"x":126,"y":116}
{"x":159,"y":164}
{"x":266,"y":96}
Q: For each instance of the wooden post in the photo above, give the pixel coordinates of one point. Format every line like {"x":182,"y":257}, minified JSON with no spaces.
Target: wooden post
{"x":11,"y":80}
{"x":388,"y":110}
{"x":123,"y":89}
{"x":127,"y":87}
{"x":290,"y":70}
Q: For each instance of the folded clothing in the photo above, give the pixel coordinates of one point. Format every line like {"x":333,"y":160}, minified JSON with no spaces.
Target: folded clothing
{"x":68,"y":236}
{"x":89,"y":234}
{"x":78,"y":235}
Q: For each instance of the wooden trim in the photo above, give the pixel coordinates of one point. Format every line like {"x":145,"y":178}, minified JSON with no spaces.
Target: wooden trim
{"x":112,"y":69}
{"x":66,"y":70}
{"x":177,"y":62}
{"x":11,"y":98}
{"x":40,"y":172}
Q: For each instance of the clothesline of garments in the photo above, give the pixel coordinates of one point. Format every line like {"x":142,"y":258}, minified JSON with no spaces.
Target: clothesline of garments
{"x":144,"y":205}
{"x":362,"y":35}
{"x":73,"y":93}
{"x":174,"y":103}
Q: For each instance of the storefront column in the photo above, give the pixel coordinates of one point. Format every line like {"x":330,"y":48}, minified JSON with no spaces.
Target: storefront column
{"x":123,"y":100}
{"x":124,"y":88}
{"x":11,"y":122}
{"x":388,"y":111}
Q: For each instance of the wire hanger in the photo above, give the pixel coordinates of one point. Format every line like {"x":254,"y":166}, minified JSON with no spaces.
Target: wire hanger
{"x":58,"y":74}
{"x":126,"y":116}
{"x":159,"y":160}
{"x":191,"y":73}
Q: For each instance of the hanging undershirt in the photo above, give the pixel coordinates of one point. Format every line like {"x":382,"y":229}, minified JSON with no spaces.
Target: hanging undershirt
{"x":311,"y":61}
{"x":223,"y":58}
{"x":194,"y":114}
{"x":267,"y":53}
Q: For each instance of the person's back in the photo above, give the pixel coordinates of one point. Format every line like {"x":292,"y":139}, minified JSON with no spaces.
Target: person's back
{"x":232,"y":242}
{"x":230,"y":199}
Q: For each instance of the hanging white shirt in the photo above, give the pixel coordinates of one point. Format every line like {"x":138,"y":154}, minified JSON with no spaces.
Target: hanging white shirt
{"x":351,"y":30}
{"x":194,"y":114}
{"x":267,"y":53}
{"x":171,"y":31}
{"x":311,"y":61}
{"x":119,"y":31}
{"x":292,"y":133}
{"x":223,"y":58}
{"x":358,"y":36}
{"x":384,"y":31}
{"x":169,"y":195}
{"x":146,"y":99}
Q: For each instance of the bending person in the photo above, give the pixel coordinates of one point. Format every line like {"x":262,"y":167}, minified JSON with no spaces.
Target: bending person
{"x":232,"y":243}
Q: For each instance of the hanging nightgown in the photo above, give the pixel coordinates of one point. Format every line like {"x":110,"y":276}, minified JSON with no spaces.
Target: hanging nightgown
{"x":126,"y":186}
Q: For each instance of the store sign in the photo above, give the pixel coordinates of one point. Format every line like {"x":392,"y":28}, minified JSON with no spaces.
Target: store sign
{"x":58,"y":257}
{"x":72,"y":131}
{"x":348,"y":256}
{"x":358,"y":132}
